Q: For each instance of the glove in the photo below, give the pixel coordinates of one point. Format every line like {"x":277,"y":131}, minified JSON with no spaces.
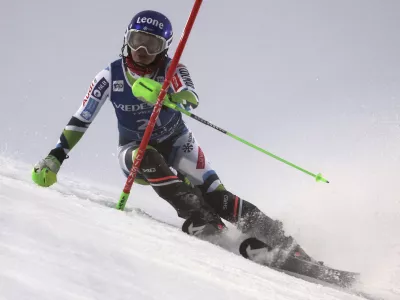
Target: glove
{"x":44,"y":173}
{"x":184,"y":99}
{"x":147,"y":90}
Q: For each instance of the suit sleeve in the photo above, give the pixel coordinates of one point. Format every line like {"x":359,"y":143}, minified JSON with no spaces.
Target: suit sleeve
{"x":183,"y":88}
{"x":98,"y":93}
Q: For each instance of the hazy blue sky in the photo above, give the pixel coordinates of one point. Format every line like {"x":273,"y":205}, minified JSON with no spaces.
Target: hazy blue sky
{"x":316,"y":82}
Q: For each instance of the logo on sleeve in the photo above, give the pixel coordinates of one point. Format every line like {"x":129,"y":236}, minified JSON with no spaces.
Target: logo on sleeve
{"x":90,"y":109}
{"x":101,"y":86}
{"x":88,"y":93}
{"x":118,"y":86}
{"x":176,"y":82}
{"x":184,"y":74}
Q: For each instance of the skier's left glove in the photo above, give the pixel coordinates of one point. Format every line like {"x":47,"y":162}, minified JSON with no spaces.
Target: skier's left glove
{"x":44,"y":173}
{"x":185,"y":99}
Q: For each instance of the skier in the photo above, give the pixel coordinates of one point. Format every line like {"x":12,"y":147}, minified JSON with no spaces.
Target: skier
{"x":174,"y":164}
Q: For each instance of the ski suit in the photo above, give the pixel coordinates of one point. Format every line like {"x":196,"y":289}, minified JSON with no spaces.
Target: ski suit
{"x":174,"y":164}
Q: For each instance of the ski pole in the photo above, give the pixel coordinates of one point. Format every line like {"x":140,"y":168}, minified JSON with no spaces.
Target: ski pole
{"x":157,"y":108}
{"x":318,"y":177}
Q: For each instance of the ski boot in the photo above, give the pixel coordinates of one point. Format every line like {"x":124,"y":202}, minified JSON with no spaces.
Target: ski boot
{"x":200,"y":227}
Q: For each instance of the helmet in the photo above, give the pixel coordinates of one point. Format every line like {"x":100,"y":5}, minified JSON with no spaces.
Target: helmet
{"x":151,"y":31}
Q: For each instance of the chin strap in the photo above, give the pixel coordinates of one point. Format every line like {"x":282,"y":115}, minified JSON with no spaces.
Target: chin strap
{"x":138,"y":69}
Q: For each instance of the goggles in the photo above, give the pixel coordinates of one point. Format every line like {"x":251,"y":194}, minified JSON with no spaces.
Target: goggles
{"x":153,"y":44}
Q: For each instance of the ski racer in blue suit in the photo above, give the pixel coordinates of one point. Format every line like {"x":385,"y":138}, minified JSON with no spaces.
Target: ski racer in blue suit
{"x":174,"y":164}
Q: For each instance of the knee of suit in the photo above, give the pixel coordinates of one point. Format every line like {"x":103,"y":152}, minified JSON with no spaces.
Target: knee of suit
{"x":126,"y":158}
{"x":158,"y":173}
{"x":150,"y":159}
{"x":153,"y":164}
{"x":140,"y":179}
{"x":145,"y":158}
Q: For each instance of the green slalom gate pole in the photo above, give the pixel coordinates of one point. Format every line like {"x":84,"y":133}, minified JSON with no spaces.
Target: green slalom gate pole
{"x":157,"y":108}
{"x":318,"y":177}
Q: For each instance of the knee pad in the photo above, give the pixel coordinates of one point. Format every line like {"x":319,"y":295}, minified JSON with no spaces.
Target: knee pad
{"x":154,"y":165}
{"x":145,"y":159}
{"x":140,"y":179}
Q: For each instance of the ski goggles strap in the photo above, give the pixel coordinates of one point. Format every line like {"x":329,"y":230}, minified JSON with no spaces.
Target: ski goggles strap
{"x":151,"y":43}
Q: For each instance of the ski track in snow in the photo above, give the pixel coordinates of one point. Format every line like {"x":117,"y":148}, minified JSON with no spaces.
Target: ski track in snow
{"x":65,"y":242}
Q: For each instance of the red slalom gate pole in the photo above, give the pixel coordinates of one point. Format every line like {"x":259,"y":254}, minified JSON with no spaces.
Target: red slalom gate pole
{"x":157,"y":108}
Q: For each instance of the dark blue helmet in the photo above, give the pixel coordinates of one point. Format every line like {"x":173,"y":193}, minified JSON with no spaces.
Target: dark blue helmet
{"x":150,"y":30}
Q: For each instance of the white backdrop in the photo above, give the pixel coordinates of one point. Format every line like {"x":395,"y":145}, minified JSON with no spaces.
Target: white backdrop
{"x":316,"y":82}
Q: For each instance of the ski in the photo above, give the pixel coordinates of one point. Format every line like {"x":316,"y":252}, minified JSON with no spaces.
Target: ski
{"x":259,"y":252}
{"x":262,"y":254}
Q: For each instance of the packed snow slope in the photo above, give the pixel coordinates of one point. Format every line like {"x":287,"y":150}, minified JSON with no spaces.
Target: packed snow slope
{"x":67,"y":242}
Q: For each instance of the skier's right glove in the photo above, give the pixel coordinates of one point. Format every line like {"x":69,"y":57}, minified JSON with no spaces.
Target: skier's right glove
{"x":147,"y":90}
{"x":44,"y":173}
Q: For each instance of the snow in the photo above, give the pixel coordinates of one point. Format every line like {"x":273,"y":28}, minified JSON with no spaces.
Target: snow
{"x":67,"y":242}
